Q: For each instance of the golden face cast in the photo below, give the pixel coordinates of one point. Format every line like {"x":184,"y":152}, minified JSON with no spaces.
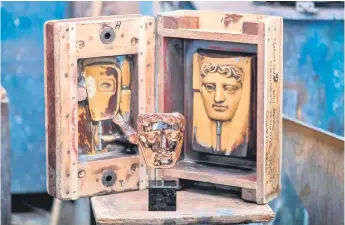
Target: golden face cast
{"x":160,"y":138}
{"x":221,"y":91}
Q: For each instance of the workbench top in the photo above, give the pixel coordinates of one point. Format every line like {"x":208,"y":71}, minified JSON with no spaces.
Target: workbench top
{"x":194,"y":206}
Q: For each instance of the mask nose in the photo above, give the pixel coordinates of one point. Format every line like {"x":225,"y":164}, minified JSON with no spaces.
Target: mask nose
{"x":163,"y":142}
{"x":219,"y":96}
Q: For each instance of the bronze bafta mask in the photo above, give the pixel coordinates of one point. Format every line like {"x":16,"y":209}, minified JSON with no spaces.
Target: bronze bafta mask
{"x":160,"y":138}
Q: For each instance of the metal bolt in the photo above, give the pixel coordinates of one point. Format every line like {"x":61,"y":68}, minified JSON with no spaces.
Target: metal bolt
{"x":81,"y":173}
{"x":134,"y":167}
{"x":134,"y":40}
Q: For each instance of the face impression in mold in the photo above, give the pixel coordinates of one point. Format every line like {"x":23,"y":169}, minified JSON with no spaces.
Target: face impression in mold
{"x":160,"y":138}
{"x":103,"y":85}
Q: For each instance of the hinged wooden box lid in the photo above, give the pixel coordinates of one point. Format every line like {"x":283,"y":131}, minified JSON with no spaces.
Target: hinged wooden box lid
{"x":99,"y":74}
{"x":224,"y":72}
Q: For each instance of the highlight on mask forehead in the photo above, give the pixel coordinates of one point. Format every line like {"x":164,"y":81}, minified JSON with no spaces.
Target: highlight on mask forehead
{"x":157,"y":122}
{"x":160,"y":126}
{"x":226,"y":70}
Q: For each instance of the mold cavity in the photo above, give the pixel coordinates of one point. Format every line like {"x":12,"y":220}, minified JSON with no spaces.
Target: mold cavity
{"x":108,"y":178}
{"x":107,"y":35}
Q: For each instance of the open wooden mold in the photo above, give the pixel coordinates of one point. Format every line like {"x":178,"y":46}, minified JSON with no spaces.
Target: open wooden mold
{"x":99,"y":74}
{"x":224,"y":73}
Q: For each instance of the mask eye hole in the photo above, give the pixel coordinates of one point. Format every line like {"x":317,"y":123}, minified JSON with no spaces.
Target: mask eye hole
{"x":173,"y":135}
{"x":151,"y":137}
{"x":106,"y":85}
{"x":209,"y":87}
{"x":230,"y":89}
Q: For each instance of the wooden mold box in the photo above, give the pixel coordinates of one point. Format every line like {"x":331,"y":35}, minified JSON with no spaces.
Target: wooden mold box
{"x":193,"y":207}
{"x":69,"y":174}
{"x":257,"y":38}
{"x":253,"y":41}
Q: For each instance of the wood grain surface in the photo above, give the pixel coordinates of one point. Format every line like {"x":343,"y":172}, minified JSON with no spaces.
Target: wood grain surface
{"x":194,"y":206}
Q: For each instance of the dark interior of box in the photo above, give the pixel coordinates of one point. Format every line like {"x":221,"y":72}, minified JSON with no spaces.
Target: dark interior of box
{"x":178,"y":76}
{"x":121,"y":147}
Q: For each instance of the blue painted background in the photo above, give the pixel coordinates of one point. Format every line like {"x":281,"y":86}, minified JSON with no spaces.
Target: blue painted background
{"x":22,"y":70}
{"x":314,"y":73}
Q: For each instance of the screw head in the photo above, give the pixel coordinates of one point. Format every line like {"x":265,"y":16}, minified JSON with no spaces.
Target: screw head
{"x":81,"y":173}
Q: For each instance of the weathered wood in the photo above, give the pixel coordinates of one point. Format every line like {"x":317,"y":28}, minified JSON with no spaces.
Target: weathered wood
{"x":313,"y":163}
{"x":67,"y":41}
{"x":208,"y":173}
{"x":193,"y":207}
{"x":5,"y":159}
{"x":266,"y":117}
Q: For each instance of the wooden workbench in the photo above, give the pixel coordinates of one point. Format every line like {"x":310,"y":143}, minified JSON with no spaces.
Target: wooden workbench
{"x":194,"y":206}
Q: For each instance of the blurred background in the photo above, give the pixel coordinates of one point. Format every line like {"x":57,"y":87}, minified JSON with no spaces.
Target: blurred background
{"x":313,"y":126}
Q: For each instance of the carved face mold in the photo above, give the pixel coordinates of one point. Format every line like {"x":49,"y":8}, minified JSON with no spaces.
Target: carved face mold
{"x":221,"y":90}
{"x":160,"y":137}
{"x":103,"y":85}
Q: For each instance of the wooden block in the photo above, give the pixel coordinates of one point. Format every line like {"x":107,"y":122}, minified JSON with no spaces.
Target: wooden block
{"x":98,"y":71}
{"x":256,"y":138}
{"x":194,"y":206}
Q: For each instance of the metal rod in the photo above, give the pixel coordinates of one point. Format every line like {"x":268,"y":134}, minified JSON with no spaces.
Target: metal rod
{"x":219,"y":132}
{"x":100,"y":132}
{"x":159,"y":179}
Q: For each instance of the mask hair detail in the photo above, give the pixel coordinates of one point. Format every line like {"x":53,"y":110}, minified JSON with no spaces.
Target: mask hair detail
{"x":227,"y":70}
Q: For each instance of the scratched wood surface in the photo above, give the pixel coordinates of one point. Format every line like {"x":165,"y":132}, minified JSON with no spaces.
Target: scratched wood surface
{"x":266,"y":33}
{"x":66,"y":41}
{"x":193,"y":207}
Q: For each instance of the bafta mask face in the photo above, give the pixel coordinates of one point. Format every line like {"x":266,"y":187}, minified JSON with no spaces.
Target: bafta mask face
{"x":103,"y":85}
{"x":221,"y":90}
{"x":160,"y":138}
